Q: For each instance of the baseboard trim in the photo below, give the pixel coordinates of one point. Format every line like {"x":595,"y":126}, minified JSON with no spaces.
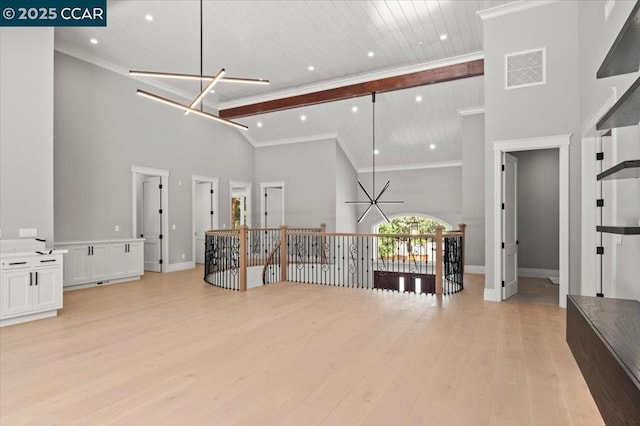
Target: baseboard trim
{"x":537,"y":273}
{"x":173,"y":267}
{"x":30,"y":317}
{"x":474,"y":269}
{"x":490,"y":295}
{"x":102,"y":283}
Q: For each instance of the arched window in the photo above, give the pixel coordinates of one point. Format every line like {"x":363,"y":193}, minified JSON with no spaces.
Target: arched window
{"x":410,"y":223}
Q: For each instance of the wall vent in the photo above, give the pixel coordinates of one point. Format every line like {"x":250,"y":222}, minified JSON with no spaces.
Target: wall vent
{"x":524,"y":69}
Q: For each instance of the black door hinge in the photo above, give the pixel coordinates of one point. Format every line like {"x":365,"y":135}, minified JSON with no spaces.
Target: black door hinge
{"x":160,"y":186}
{"x":503,"y":284}
{"x":160,"y":237}
{"x":600,"y":202}
{"x":502,"y":206}
{"x":212,"y":191}
{"x":160,"y":261}
{"x":502,"y":245}
{"x":160,"y":211}
{"x":599,"y":156}
{"x":600,"y":250}
{"x":503,"y":167}
{"x":211,"y":211}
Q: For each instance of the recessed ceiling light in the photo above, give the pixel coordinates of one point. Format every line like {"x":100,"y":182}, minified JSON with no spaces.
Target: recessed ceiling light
{"x":443,"y":36}
{"x":419,"y":98}
{"x":432,"y":146}
{"x":94,"y":41}
{"x":376,"y":152}
{"x":212,"y":91}
{"x":370,"y":54}
{"x":311,"y":68}
{"x":259,"y":124}
{"x":354,"y":108}
{"x":303,"y":118}
{"x":148,"y":17}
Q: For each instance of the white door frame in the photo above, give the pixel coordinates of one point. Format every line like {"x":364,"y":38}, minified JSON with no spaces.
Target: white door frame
{"x":589,"y":259}
{"x":195,"y":179}
{"x":263,"y":186}
{"x":562,"y":143}
{"x":164,"y":192}
{"x":249,"y":188}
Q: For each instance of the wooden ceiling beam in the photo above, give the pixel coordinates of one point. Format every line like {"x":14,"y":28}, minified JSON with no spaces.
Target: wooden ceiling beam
{"x":405,"y":81}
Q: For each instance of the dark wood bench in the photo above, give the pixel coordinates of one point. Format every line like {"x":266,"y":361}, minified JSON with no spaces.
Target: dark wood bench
{"x":604,"y":337}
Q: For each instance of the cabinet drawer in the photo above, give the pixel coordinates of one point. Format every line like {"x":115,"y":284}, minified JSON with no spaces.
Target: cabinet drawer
{"x":8,"y":265}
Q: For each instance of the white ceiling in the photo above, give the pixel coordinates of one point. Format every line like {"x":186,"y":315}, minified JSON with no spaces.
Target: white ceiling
{"x":279,"y":40}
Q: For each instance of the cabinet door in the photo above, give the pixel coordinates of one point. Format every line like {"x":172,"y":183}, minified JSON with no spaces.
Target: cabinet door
{"x":15,"y":294}
{"x":98,"y":262}
{"x":135,"y":259}
{"x":47,"y":289}
{"x":117,"y":260}
{"x":78,"y":264}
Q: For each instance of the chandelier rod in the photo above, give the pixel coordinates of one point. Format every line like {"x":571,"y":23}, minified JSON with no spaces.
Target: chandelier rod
{"x":201,"y":73}
{"x":373,"y":102}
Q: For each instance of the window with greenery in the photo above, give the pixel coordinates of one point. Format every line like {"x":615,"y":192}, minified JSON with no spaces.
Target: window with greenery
{"x":388,"y":247}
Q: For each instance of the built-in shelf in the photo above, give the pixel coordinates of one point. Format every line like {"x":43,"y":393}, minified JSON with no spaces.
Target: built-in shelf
{"x":620,"y":230}
{"x":624,"y":55}
{"x":625,"y":112}
{"x":626,"y":170}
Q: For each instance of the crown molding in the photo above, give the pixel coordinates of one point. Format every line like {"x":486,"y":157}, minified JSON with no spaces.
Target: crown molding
{"x":462,"y":112}
{"x":301,"y":139}
{"x":419,"y":166}
{"x":347,"y":153}
{"x":361,"y":78}
{"x":101,"y":63}
{"x":510,"y":8}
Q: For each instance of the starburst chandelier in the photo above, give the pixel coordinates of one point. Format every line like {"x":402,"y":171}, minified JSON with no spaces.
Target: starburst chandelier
{"x":374,"y":202}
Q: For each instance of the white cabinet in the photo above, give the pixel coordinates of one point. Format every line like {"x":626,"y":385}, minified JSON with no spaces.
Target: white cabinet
{"x":16,"y":293}
{"x":135,"y":258}
{"x":86,"y":263}
{"x":31,"y":287}
{"x":103,"y":261}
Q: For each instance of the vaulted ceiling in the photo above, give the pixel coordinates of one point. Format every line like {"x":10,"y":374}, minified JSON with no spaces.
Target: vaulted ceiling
{"x":281,"y":40}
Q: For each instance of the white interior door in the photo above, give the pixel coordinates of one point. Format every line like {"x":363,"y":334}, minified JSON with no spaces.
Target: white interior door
{"x":204,"y":216}
{"x":509,"y":226}
{"x":151,"y":223}
{"x":273,"y":206}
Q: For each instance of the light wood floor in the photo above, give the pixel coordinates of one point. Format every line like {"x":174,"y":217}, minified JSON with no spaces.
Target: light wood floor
{"x":172,"y":350}
{"x":536,"y":290}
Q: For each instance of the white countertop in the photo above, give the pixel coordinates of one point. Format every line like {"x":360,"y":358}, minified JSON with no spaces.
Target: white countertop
{"x":119,"y":240}
{"x":45,"y":252}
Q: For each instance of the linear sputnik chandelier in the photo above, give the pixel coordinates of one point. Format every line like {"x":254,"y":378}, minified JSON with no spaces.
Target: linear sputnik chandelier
{"x":374,"y":202}
{"x":211,"y":81}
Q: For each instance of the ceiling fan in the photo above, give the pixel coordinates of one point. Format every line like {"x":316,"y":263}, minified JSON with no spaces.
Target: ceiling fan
{"x":211,"y":80}
{"x":374,"y":202}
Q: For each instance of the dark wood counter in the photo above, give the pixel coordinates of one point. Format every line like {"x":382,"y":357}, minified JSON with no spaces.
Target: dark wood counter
{"x":604,"y":337}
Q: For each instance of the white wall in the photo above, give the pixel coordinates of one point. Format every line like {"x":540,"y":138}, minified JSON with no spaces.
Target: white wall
{"x":435,"y":192}
{"x":473,"y":195}
{"x":551,"y":109}
{"x":622,"y":198}
{"x":346,"y":190}
{"x":102,"y":128}
{"x":309,"y":173}
{"x":26,"y":131}
{"x":538,"y":209}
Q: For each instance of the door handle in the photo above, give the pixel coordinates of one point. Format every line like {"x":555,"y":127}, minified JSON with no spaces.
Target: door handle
{"x":30,"y":278}
{"x":36,"y":278}
{"x":89,"y":251}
